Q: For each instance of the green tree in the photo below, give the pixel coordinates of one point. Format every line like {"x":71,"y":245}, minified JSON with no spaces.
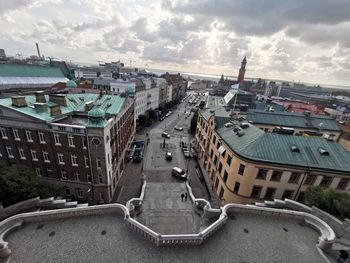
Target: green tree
{"x":143,"y":119}
{"x":333,"y":202}
{"x":18,"y":183}
{"x":152,"y":114}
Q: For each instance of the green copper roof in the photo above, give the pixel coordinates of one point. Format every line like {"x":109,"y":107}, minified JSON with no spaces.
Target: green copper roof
{"x":109,"y":104}
{"x":293,"y":120}
{"x":13,"y":70}
{"x":257,"y":145}
{"x":96,"y":113}
{"x":71,"y":84}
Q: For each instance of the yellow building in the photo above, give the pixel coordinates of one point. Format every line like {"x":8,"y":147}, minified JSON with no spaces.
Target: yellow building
{"x":246,"y":164}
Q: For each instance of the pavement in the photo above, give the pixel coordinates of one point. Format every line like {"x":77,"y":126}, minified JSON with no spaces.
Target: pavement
{"x":162,"y":209}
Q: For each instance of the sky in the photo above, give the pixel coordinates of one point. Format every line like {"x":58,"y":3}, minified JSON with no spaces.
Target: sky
{"x":293,"y":40}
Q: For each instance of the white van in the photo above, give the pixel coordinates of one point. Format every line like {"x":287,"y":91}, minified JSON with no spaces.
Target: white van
{"x":178,"y":172}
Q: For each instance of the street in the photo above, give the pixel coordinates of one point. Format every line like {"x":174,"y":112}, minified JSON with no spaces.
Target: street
{"x":163,"y":210}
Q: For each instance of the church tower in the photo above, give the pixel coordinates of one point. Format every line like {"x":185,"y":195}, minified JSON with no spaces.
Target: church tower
{"x":242,"y":70}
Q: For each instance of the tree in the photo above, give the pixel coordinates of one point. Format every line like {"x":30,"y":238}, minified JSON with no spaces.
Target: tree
{"x":194,"y":122}
{"x":152,"y":114}
{"x":333,"y":202}
{"x":143,"y":119}
{"x":18,"y":183}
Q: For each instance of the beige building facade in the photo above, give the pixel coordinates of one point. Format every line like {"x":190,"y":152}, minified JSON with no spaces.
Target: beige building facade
{"x":236,"y":177}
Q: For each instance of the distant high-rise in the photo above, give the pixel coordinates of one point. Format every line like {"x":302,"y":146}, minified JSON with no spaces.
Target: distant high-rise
{"x":242,"y":70}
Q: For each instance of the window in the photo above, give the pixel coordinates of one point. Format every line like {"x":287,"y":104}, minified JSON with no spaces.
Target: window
{"x":225,"y":176}
{"x":270,"y":192}
{"x":34,"y":156}
{"x":74,"y":159}
{"x":241,"y":169}
{"x":256,"y":191}
{"x":71,"y":141}
{"x":102,"y":196}
{"x":61,"y":128}
{"x":16,"y":134}
{"x":100,"y":179}
{"x":229,"y":159}
{"x":236,"y":188}
{"x":276,"y":176}
{"x":67,"y":191}
{"x":98,"y":163}
{"x":29,"y":136}
{"x":86,"y":159}
{"x":38,"y":171}
{"x":21,"y":153}
{"x":46,"y":157}
{"x":343,"y":183}
{"x":288,"y":194}
{"x":76,"y":130}
{"x":301,"y":197}
{"x":215,"y":159}
{"x":79,"y":192}
{"x":310,"y":179}
{"x":294,"y":178}
{"x":64,"y":175}
{"x":3,"y":133}
{"x":9,"y":152}
{"x":84,"y":143}
{"x":218,"y":145}
{"x":211,"y":153}
{"x":76,"y":176}
{"x":41,"y":137}
{"x":220,"y":167}
{"x":326,"y":181}
{"x":221,"y":194}
{"x":261,"y":175}
{"x":89,"y":178}
{"x":60,"y":158}
{"x":56,"y":137}
{"x":214,"y":139}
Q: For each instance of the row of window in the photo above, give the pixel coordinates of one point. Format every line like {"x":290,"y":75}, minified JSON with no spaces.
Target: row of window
{"x":41,"y":137}
{"x":80,"y":194}
{"x":45,"y":154}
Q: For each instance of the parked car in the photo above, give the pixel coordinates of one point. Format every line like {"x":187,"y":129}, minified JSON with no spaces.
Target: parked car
{"x":187,"y":153}
{"x":178,"y":172}
{"x":178,"y":128}
{"x":168,"y":156}
{"x":165,"y":135}
{"x":162,"y":118}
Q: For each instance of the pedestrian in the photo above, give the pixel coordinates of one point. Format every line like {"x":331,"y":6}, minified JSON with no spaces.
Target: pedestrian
{"x":185,"y":196}
{"x":182,"y":196}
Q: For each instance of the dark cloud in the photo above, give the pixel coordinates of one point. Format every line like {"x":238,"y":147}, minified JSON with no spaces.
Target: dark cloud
{"x":262,"y":18}
{"x":8,"y":5}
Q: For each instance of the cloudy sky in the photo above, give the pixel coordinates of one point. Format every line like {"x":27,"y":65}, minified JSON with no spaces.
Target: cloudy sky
{"x":306,"y":40}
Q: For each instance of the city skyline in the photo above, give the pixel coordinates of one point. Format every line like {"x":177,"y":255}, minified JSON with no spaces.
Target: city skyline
{"x":296,"y":40}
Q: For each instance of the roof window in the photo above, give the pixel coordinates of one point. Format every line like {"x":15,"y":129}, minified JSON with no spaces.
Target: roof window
{"x":294,"y":149}
{"x":323,"y":152}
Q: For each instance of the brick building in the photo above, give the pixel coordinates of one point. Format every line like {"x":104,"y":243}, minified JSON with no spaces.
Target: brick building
{"x":77,"y":141}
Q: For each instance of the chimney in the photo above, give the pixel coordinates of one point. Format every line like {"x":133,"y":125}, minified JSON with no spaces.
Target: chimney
{"x":89,"y":105}
{"x":40,"y":107}
{"x":40,"y":97}
{"x":59,"y":99}
{"x":19,"y":101}
{"x":55,"y":110}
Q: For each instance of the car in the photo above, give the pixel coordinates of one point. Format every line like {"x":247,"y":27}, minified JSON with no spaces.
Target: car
{"x":178,"y":172}
{"x":165,"y":135}
{"x":178,"y":128}
{"x":162,"y":118}
{"x":168,"y":156}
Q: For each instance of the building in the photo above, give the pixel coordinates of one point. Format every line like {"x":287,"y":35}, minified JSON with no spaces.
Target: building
{"x":92,"y":73}
{"x":177,"y":86}
{"x":240,"y":77}
{"x":163,"y":91}
{"x":2,"y":54}
{"x":76,"y":141}
{"x":21,"y":77}
{"x":246,"y":164}
{"x":304,"y":124}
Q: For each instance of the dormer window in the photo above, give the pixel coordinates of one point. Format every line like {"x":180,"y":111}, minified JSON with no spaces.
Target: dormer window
{"x":294,"y":149}
{"x":323,"y":152}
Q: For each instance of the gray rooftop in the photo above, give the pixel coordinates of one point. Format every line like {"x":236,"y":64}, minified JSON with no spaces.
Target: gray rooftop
{"x":246,"y":237}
